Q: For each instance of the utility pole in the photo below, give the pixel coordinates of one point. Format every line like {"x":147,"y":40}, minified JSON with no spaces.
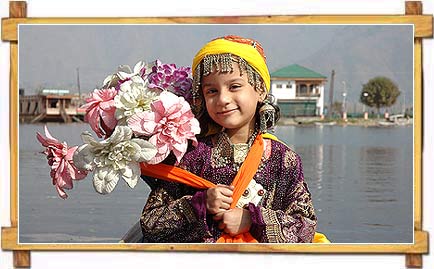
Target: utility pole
{"x":78,"y":83}
{"x":332,"y":81}
{"x":403,"y":107}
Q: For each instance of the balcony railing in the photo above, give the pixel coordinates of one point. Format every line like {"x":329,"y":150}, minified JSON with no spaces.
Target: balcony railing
{"x":307,"y":94}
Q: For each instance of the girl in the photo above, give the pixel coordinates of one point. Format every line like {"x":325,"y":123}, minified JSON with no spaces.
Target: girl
{"x":230,"y":99}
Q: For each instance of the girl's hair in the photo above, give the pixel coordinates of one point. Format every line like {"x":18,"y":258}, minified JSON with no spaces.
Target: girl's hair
{"x":224,"y":63}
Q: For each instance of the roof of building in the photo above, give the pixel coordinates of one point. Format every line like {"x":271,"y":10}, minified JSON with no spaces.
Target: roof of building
{"x":53,"y":91}
{"x":296,"y":71}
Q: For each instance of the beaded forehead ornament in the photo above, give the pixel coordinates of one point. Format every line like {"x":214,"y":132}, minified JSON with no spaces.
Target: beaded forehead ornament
{"x":220,"y":54}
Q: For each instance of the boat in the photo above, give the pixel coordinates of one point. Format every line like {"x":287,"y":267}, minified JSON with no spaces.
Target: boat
{"x":396,"y":120}
{"x":386,"y":123}
{"x":134,"y":235}
{"x":51,"y":105}
{"x":329,"y":123}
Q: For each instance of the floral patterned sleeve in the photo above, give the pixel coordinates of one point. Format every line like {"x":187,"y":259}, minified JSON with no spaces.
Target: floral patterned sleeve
{"x":286,"y":215}
{"x":167,"y":219}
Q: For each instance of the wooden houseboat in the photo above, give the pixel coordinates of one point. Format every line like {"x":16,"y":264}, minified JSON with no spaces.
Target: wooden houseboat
{"x":51,"y":105}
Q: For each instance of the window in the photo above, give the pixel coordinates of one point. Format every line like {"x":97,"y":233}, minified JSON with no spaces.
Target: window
{"x":302,"y":90}
{"x":279,"y":86}
{"x":312,"y":89}
{"x":54,"y":103}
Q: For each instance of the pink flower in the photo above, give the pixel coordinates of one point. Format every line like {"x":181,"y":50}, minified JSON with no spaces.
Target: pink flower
{"x":100,"y":111}
{"x":170,"y":123}
{"x":59,"y":156}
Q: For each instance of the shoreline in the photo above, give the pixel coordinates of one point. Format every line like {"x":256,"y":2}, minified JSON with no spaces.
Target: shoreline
{"x":301,"y":121}
{"x":316,"y":121}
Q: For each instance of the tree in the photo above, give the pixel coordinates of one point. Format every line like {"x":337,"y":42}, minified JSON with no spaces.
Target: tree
{"x":379,"y":92}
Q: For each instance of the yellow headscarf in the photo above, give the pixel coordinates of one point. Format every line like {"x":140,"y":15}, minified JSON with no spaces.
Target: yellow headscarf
{"x":246,"y":51}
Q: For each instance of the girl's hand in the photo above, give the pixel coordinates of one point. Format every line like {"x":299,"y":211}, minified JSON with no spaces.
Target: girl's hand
{"x":235,"y":221}
{"x":219,"y":199}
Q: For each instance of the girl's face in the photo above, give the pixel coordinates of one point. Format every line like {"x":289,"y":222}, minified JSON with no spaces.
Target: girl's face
{"x":231,"y":101}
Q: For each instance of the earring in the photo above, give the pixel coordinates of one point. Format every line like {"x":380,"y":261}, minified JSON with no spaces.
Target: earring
{"x":266,"y":116}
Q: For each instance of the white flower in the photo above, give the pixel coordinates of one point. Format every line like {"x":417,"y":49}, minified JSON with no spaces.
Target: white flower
{"x":110,"y":81}
{"x":134,"y":96}
{"x":117,"y":156}
{"x":124,"y":71}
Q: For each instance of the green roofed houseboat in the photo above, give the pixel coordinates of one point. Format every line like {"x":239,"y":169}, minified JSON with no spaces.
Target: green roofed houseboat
{"x":299,"y":91}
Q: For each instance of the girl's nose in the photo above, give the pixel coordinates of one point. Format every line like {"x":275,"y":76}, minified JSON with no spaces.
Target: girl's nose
{"x":224,"y":97}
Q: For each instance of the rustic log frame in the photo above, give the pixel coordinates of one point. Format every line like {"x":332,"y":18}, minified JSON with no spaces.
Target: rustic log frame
{"x":413,"y":252}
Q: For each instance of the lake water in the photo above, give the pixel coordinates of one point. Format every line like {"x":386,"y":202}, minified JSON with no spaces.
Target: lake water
{"x":361,"y":180}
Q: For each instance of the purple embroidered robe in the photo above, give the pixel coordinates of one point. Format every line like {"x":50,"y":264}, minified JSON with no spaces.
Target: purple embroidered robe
{"x":285,"y":214}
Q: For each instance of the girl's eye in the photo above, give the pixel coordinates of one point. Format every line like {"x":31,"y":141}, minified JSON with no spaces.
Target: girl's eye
{"x":235,"y":86}
{"x":210,"y":91}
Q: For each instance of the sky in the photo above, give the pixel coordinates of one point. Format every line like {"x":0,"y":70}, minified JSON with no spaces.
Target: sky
{"x":51,"y":56}
{"x":47,"y":53}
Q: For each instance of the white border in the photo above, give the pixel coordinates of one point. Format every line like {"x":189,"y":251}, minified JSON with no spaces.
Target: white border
{"x":181,"y":25}
{"x":51,"y":259}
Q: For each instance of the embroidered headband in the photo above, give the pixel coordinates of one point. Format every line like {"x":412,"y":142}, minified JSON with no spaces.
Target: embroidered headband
{"x":250,"y":51}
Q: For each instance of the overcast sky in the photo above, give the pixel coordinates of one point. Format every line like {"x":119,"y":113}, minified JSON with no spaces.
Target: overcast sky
{"x":49,"y":55}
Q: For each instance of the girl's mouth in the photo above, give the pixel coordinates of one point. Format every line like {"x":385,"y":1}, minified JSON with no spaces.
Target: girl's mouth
{"x":226,"y":112}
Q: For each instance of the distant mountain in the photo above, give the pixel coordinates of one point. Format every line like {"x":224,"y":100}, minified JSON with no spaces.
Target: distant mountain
{"x":50,"y":55}
{"x":373,"y":52}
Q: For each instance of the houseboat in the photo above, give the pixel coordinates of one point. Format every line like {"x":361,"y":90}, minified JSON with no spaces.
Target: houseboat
{"x":51,"y":105}
{"x":298,"y":91}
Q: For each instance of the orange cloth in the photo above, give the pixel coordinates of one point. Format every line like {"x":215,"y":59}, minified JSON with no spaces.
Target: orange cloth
{"x":175,"y":174}
{"x":241,"y":181}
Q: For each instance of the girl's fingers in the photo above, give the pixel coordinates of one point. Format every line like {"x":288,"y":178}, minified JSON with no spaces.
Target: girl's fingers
{"x":225,"y":189}
{"x":225,"y":206}
{"x":218,"y":216}
{"x":227,"y":200}
{"x":226,"y":192}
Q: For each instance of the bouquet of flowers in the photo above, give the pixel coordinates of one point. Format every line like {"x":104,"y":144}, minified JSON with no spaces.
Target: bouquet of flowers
{"x":142,"y":115}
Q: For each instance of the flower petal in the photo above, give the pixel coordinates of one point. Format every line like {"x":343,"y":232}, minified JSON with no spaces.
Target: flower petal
{"x":179,"y":150}
{"x":142,"y":123}
{"x":88,"y":139}
{"x":131,"y":173}
{"x":159,"y":157}
{"x":109,"y":118}
{"x":121,"y":133}
{"x":61,"y":192}
{"x":169,"y":101}
{"x":48,"y":140}
{"x":105,"y":180}
{"x":77,"y":174}
{"x":83,"y":158}
{"x":138,"y":67}
{"x":146,"y":150}
{"x":92,"y":117}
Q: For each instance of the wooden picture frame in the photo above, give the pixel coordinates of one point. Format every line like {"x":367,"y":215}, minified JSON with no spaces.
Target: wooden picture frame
{"x":413,"y":15}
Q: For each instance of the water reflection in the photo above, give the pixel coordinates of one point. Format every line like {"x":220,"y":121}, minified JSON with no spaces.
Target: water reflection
{"x":378,"y":164}
{"x":360,"y":180}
